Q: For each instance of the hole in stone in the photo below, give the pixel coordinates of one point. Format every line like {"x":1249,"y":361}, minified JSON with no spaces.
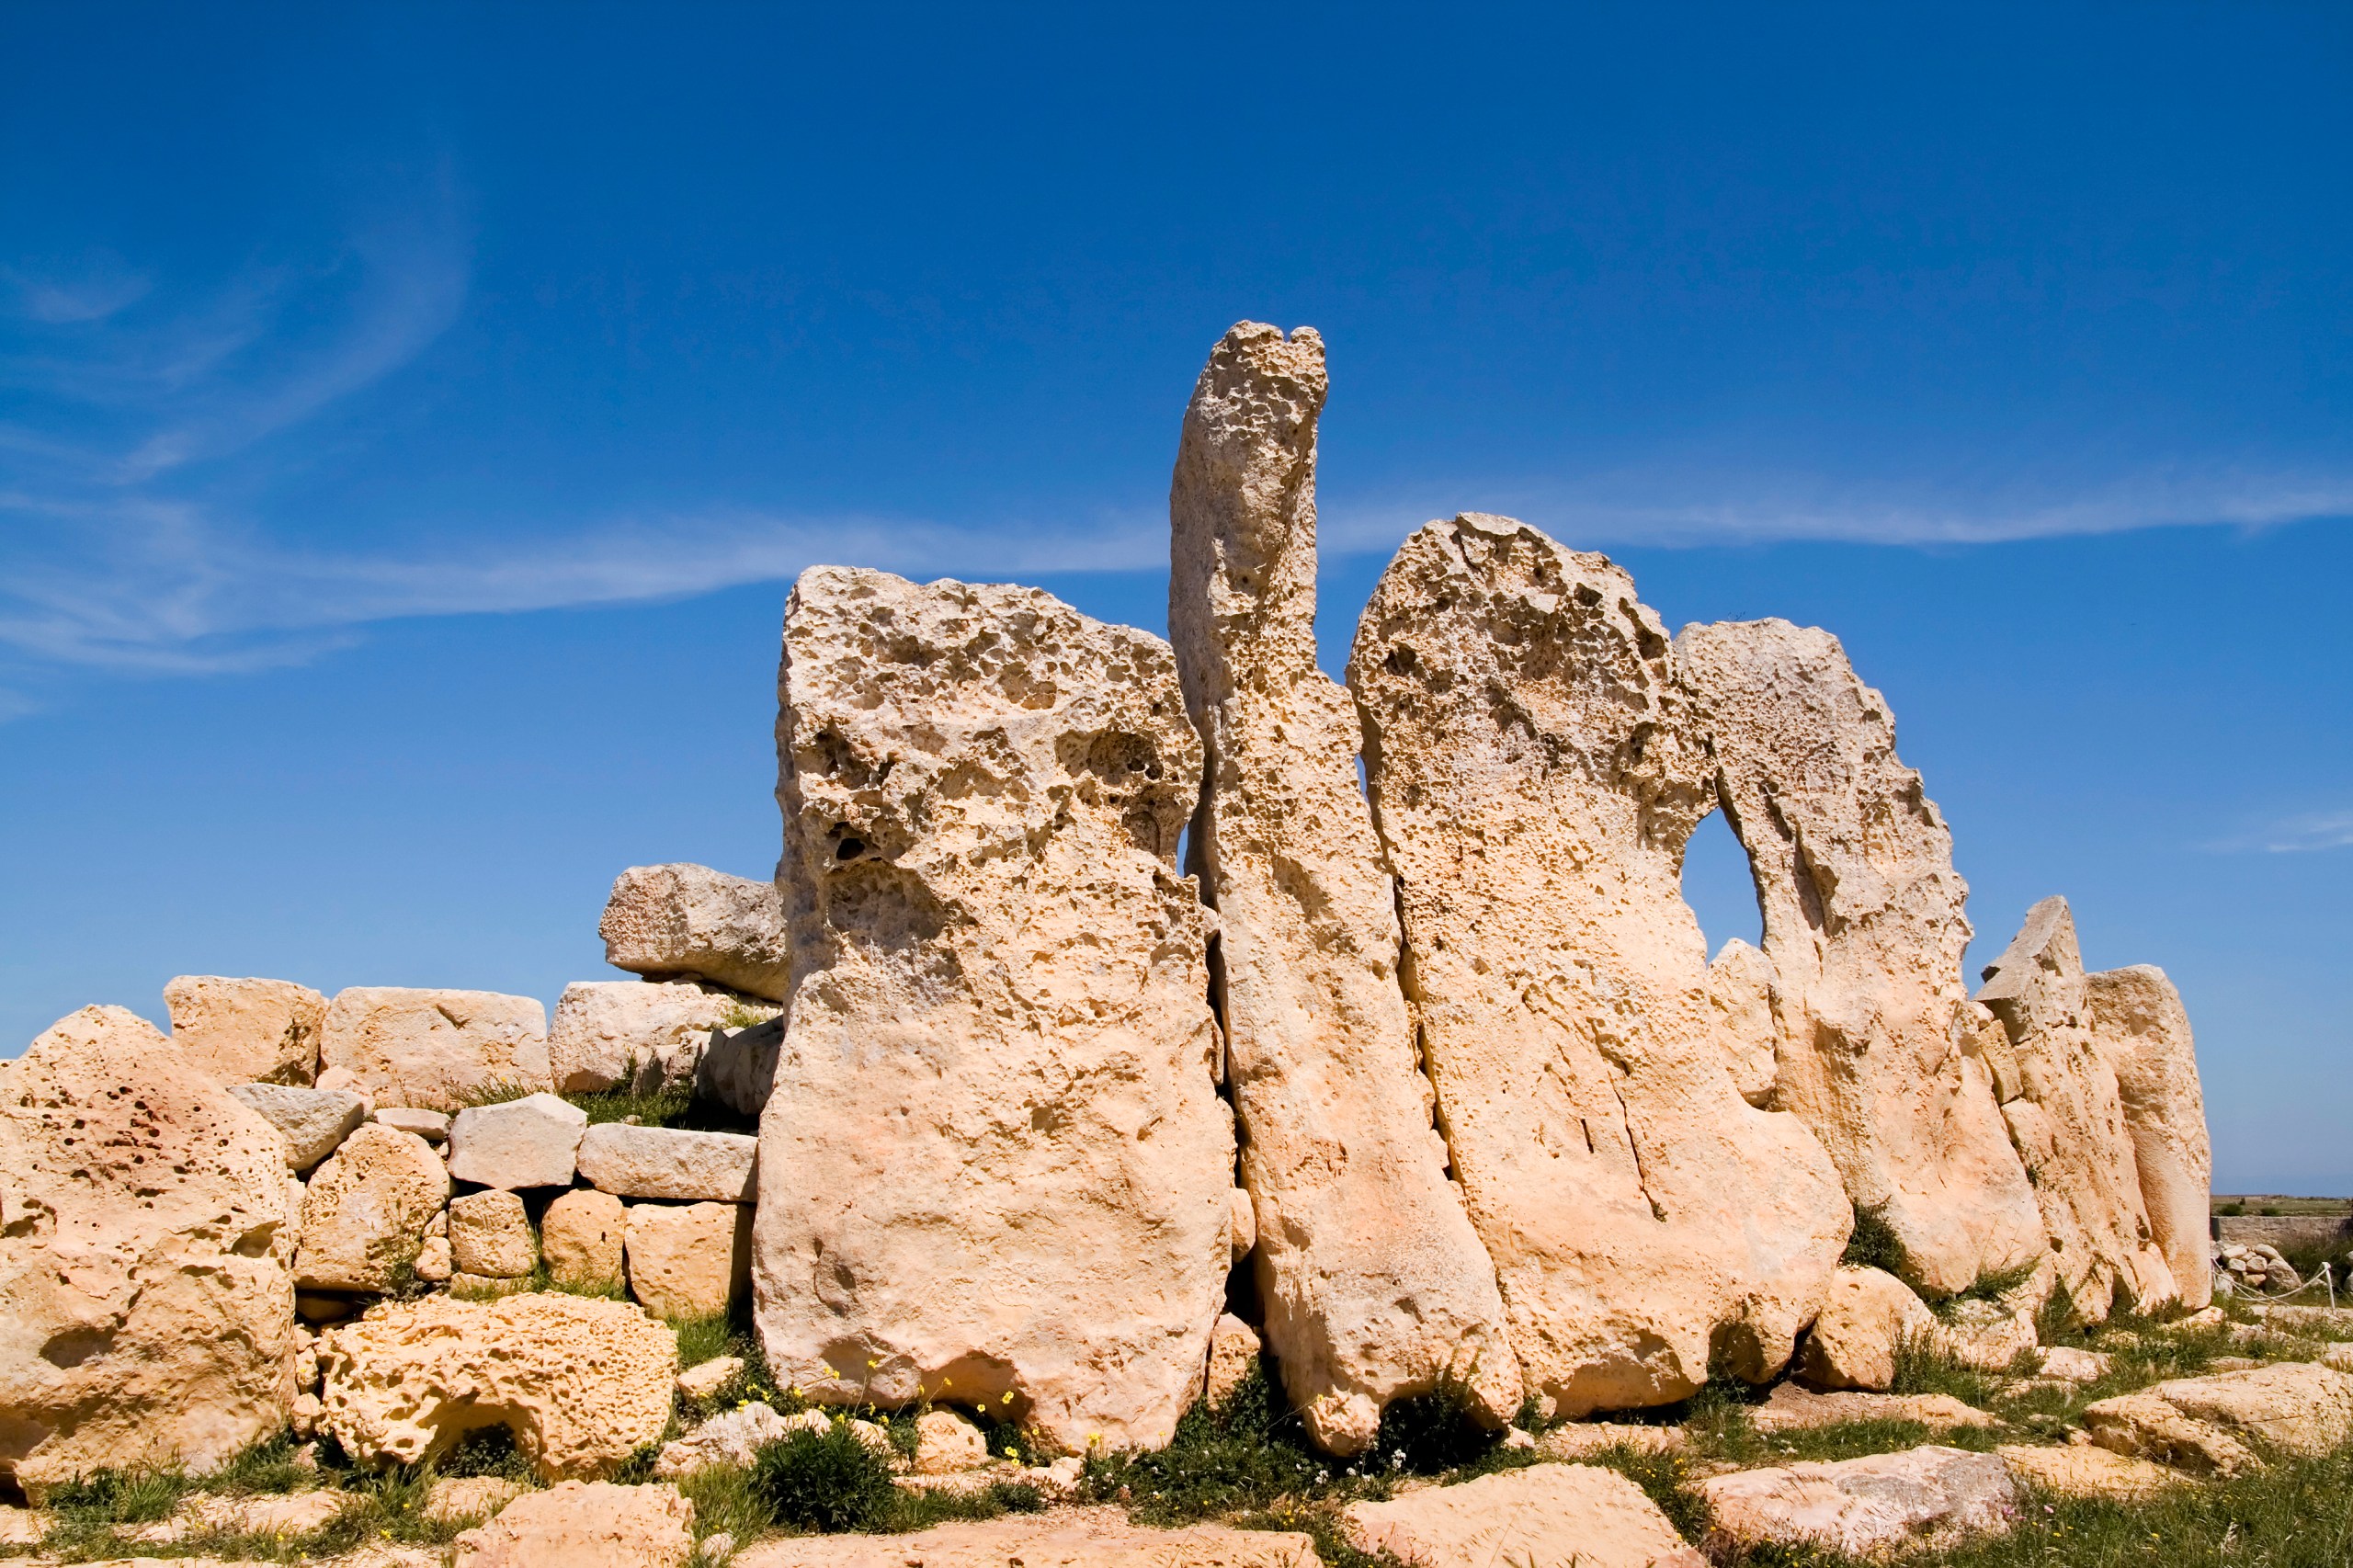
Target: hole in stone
{"x":1719,"y":887}
{"x":849,"y":850}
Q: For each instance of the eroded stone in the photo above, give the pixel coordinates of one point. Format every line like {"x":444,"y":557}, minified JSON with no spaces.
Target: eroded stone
{"x":690,"y":921}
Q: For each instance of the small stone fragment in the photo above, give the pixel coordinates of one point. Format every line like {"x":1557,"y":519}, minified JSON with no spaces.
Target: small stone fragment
{"x":364,"y":1214}
{"x":665,"y":1162}
{"x":469,"y":1499}
{"x":1234,"y":1348}
{"x":1853,"y":1344}
{"x":436,"y":1048}
{"x":313,"y":1122}
{"x":2072,"y":1364}
{"x":689,"y":921}
{"x":533,"y":1141}
{"x":705,"y":1379}
{"x":690,"y":1260}
{"x":1924,"y":1496}
{"x":584,"y":1525}
{"x":947,"y":1442}
{"x":1987,"y":1335}
{"x":433,"y":1126}
{"x":247,"y":1031}
{"x":490,"y":1234}
{"x":733,"y":1437}
{"x":434,"y":1261}
{"x":1547,"y":1515}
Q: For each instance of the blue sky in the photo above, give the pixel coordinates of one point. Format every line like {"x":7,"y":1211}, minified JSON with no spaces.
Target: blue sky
{"x":409,"y":419}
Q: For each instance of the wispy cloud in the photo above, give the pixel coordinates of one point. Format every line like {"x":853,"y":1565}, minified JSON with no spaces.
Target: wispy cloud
{"x":2303,"y":834}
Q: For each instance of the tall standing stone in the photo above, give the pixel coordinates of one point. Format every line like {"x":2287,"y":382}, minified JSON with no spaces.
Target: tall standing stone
{"x":1535,"y":775}
{"x":2137,"y":1015}
{"x":2068,"y":1121}
{"x":1865,"y":931}
{"x":994,"y":1167}
{"x":1374,"y":1284}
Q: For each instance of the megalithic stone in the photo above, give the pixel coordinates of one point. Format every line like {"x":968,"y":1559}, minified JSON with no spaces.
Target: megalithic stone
{"x":993,"y":1167}
{"x":1374,"y":1284}
{"x":2138,"y":1018}
{"x":1865,"y":931}
{"x":1535,"y":775}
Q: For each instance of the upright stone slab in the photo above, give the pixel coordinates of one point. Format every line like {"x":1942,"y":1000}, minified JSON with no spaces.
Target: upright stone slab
{"x":143,"y":1315}
{"x":1535,"y":775}
{"x":2138,"y":1018}
{"x":1864,"y":928}
{"x":994,"y":1162}
{"x":688,"y":922}
{"x":1375,"y":1285}
{"x":2068,"y":1121}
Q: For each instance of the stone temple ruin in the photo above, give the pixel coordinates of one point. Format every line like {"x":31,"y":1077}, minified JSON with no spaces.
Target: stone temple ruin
{"x":1104,"y":1025}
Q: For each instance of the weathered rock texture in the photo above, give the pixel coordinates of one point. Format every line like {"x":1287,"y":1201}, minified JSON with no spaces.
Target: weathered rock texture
{"x":1375,"y":1285}
{"x":490,"y":1234}
{"x":1066,"y":1538}
{"x":1547,"y":1515}
{"x":688,"y":1260}
{"x":532,"y":1141}
{"x":435,"y":1049}
{"x":2068,"y":1121}
{"x":690,"y":922}
{"x":1864,"y":930}
{"x":669,"y":1162}
{"x":313,"y":1123}
{"x":2204,"y":1424}
{"x":142,"y":1315}
{"x":581,"y":1384}
{"x":631,"y":1034}
{"x":581,"y":1238}
{"x":584,"y":1524}
{"x":367,"y":1209}
{"x":994,"y":1152}
{"x":1535,"y":776}
{"x":1865,"y":1321}
{"x":2137,"y":1018}
{"x":247,"y":1031}
{"x":1865,"y":1507}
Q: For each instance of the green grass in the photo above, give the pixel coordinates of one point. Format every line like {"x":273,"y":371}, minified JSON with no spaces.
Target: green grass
{"x":655,"y":1108}
{"x":1873,"y":1244}
{"x":497,"y":1092}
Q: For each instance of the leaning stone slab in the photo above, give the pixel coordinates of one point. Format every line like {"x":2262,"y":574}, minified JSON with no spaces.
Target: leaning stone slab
{"x":1066,"y":1538}
{"x":312,"y":1122}
{"x":689,"y":921}
{"x":365,"y":1214}
{"x":435,"y":1049}
{"x":1547,"y":1515}
{"x":2218,"y":1425}
{"x":688,"y":1260}
{"x":634,"y":1034}
{"x":581,"y":1384}
{"x":2138,"y":1018}
{"x":533,"y":1141}
{"x":667,"y":1162}
{"x":141,"y":1312}
{"x":584,"y":1525}
{"x":247,"y":1031}
{"x":1924,"y":1496}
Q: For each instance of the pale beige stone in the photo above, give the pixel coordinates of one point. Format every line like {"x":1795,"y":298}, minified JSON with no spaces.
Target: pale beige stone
{"x":1740,"y":994}
{"x":435,"y":1262}
{"x":1546,"y":1516}
{"x":485,"y":1287}
{"x":1234,"y":1349}
{"x":491,"y":1234}
{"x":1375,"y":1286}
{"x":2068,"y":1123}
{"x":1583,"y":1440}
{"x":2079,"y":1470}
{"x":689,"y":1260}
{"x":590,"y":1524}
{"x":581,"y":1384}
{"x":1865,"y":1321}
{"x":1244,"y":1234}
{"x":313,"y":1123}
{"x":581,"y":1237}
{"x":669,"y":1162}
{"x":367,"y":1209}
{"x":2137,"y":1017}
{"x":285,"y":1517}
{"x":23,"y":1527}
{"x":947,"y":1442}
{"x":247,"y":1031}
{"x":1924,"y":1496}
{"x":1066,"y":1538}
{"x":707,"y":1378}
{"x":993,"y":1152}
{"x":1987,"y":1335}
{"x":469,"y":1499}
{"x":1535,"y":774}
{"x":2069,"y":1364}
{"x":738,"y":1067}
{"x":436,"y":1050}
{"x":433,"y":1126}
{"x":611,"y":1034}
{"x":2205,"y":1424}
{"x":1792,"y":1408}
{"x":731,"y":1436}
{"x":1864,"y":928}
{"x":531,"y":1141}
{"x":691,"y":922}
{"x":142,"y":1317}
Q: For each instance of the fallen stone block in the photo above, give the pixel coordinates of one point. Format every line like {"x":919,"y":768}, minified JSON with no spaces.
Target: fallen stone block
{"x":1067,"y":1537}
{"x":1546,"y":1516}
{"x":665,"y":1162}
{"x":533,"y":1141}
{"x":584,"y":1525}
{"x":364,"y":1214}
{"x":2081,"y":1469}
{"x":1924,"y":1496}
{"x":490,"y":1234}
{"x":439,"y":1050}
{"x":1792,"y":1408}
{"x":945,"y":1443}
{"x":581,"y":1238}
{"x":247,"y":1031}
{"x":1868,"y":1316}
{"x":2216,"y":1425}
{"x":469,"y":1499}
{"x":690,"y":921}
{"x":581,"y":1384}
{"x":691,"y":1260}
{"x":705,"y":1379}
{"x":313,"y":1122}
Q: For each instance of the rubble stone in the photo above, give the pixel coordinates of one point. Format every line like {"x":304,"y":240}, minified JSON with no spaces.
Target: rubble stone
{"x":1924,"y":1496}
{"x":1546,"y":1516}
{"x":584,"y":1525}
{"x":364,"y":1214}
{"x":313,"y":1123}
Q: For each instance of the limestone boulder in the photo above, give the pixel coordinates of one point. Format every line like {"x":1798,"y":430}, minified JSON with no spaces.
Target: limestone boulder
{"x":738,"y":1067}
{"x":1868,"y":1316}
{"x":733,"y":1437}
{"x":688,"y":1260}
{"x":313,"y":1123}
{"x":691,"y":922}
{"x":1234,"y":1349}
{"x":2138,"y":1019}
{"x":1546,"y":1516}
{"x":2081,"y":1469}
{"x":436,"y":1050}
{"x":1864,"y":1507}
{"x":1535,"y":772}
{"x":591,"y":1524}
{"x":668,"y":1162}
{"x":1375,"y":1285}
{"x":531,"y":1141}
{"x":946,"y":1443}
{"x":639,"y":1036}
{"x":995,"y":1150}
{"x":2068,"y":1123}
{"x":1066,"y":1538}
{"x":580,"y":1383}
{"x":1864,"y":928}
{"x":1987,"y":1335}
{"x":491,"y":1234}
{"x":364,"y":1214}
{"x":247,"y":1031}
{"x":2219,"y":1425}
{"x":581,"y":1238}
{"x":143,"y":1316}
{"x":1793,"y":1409}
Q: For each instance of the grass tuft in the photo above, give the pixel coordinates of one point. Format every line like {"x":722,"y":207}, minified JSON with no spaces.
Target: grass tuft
{"x":1873,"y":1244}
{"x":826,"y":1480}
